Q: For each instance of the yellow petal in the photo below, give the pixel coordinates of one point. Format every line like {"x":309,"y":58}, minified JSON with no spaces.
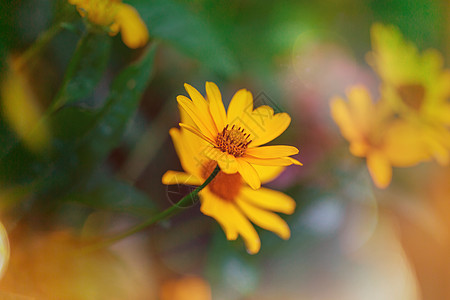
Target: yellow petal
{"x":196,"y":97}
{"x":202,"y":106}
{"x":133,"y":29}
{"x":231,"y":220}
{"x":403,"y":146}
{"x":173,"y":177}
{"x":196,"y":132}
{"x":359,"y":148}
{"x":293,"y":161}
{"x":248,"y":173}
{"x":361,"y":107}
{"x":217,"y":208}
{"x":379,"y":168}
{"x":282,"y":161}
{"x":269,"y":200}
{"x":185,"y":153}
{"x":272,"y":151}
{"x":391,"y":52}
{"x":227,"y":162}
{"x":4,"y":250}
{"x":193,"y":145}
{"x":21,"y":110}
{"x":185,"y":118}
{"x":265,"y":219}
{"x":246,"y":230}
{"x":437,"y":150}
{"x":341,"y":115}
{"x":437,"y":141}
{"x":241,"y":103}
{"x":216,"y":106}
{"x":201,"y":119}
{"x":268,"y":173}
{"x":443,"y":114}
{"x":263,"y":125}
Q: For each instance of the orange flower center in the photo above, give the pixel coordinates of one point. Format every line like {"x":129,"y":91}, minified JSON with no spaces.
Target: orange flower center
{"x":234,"y":141}
{"x":226,"y":186}
{"x":412,"y":95}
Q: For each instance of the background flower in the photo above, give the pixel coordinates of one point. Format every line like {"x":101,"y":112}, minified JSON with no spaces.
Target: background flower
{"x":416,"y":84}
{"x":117,"y":16}
{"x":375,"y":133}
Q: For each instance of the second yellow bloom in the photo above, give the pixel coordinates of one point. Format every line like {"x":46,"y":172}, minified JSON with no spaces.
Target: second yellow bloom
{"x":117,"y":16}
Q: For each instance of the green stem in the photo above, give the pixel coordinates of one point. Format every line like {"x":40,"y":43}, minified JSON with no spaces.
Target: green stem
{"x":40,"y":44}
{"x":180,"y":205}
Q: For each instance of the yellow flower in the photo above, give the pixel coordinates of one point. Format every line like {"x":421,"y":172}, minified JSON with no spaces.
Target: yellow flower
{"x":117,"y":16}
{"x":416,"y":85}
{"x":53,"y":266}
{"x":228,"y":199}
{"x":375,"y":134}
{"x":234,"y":136}
{"x":186,"y":288}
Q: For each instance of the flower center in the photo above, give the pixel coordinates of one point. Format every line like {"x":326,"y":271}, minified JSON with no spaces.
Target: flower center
{"x":412,"y":95}
{"x":225,"y":186}
{"x":234,"y":140}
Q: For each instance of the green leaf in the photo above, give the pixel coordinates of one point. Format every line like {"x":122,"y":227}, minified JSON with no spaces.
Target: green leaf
{"x":82,"y":76}
{"x":85,"y":143}
{"x":19,"y":166}
{"x":175,"y":23}
{"x":120,"y":107}
{"x":72,"y":122}
{"x":421,"y":21}
{"x":85,"y":69}
{"x":77,"y":157}
{"x":7,"y":137}
{"x":108,"y":193}
{"x":6,"y":30}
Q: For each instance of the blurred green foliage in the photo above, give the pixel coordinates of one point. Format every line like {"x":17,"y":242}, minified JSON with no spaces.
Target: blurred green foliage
{"x":85,"y":69}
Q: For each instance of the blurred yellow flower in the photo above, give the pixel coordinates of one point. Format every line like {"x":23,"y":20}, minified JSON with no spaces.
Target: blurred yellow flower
{"x":228,"y":199}
{"x":52,"y":266}
{"x":416,"y":85}
{"x":21,"y":108}
{"x":4,"y":250}
{"x":374,"y":133}
{"x":117,"y":16}
{"x":234,"y":136}
{"x":186,"y":288}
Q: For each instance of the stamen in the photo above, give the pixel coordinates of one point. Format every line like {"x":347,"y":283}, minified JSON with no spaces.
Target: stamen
{"x":233,"y":141}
